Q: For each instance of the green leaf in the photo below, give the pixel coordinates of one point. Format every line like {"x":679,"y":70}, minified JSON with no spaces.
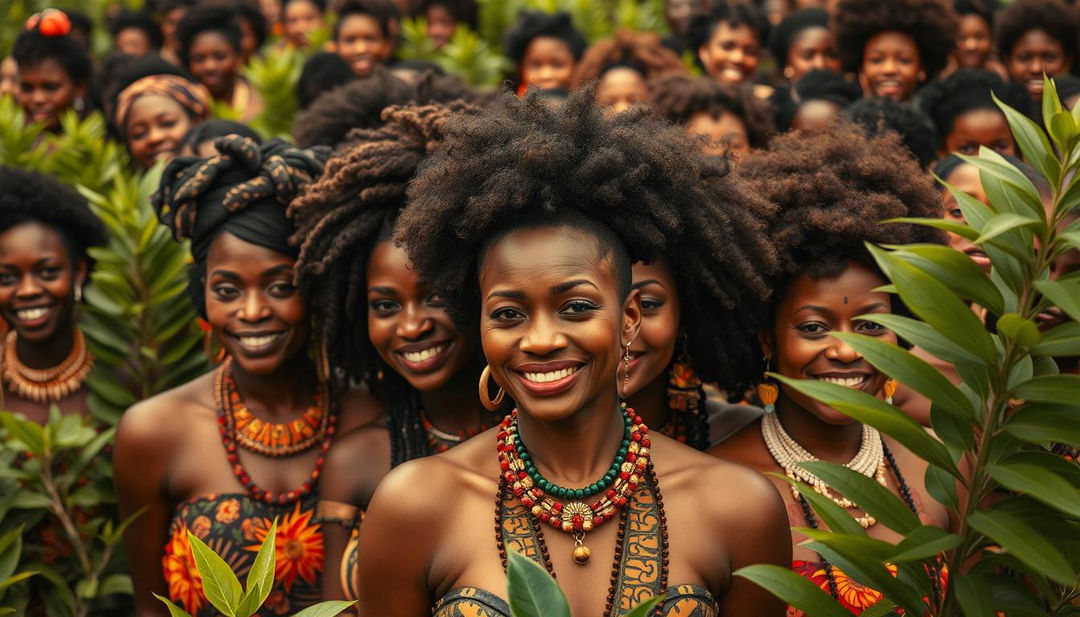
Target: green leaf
{"x":533,"y":593}
{"x":30,"y":434}
{"x":874,"y":499}
{"x":923,"y":543}
{"x":220,"y":585}
{"x":174,"y":610}
{"x":1023,"y":331}
{"x":1024,"y":542}
{"x":878,"y":414}
{"x":325,"y":609}
{"x":1037,"y":475}
{"x":116,"y":584}
{"x":883,"y":608}
{"x":960,"y":229}
{"x":1032,"y":141}
{"x":834,"y":517}
{"x":975,"y":596}
{"x":25,"y":500}
{"x":1004,"y":222}
{"x":1065,"y":294}
{"x":911,"y":371}
{"x":956,"y":270}
{"x":260,"y":578}
{"x":793,"y":589}
{"x":1042,"y":423}
{"x":1060,"y":341}
{"x":937,"y":305}
{"x":921,"y":334}
{"x":646,"y":607}
{"x":1061,"y":389}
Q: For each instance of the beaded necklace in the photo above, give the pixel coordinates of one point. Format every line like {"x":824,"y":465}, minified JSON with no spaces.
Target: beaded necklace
{"x":273,"y":438}
{"x":609,"y":493}
{"x":440,"y":441}
{"x":51,"y":384}
{"x":224,"y":391}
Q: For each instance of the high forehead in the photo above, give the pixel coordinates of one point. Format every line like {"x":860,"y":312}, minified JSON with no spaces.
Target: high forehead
{"x":543,"y":252}
{"x":234,"y":253}
{"x":389,"y":261}
{"x":891,"y":40}
{"x":31,"y":236}
{"x":980,"y":120}
{"x":548,"y":46}
{"x":853,"y":288}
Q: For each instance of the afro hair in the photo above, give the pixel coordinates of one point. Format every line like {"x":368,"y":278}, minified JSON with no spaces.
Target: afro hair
{"x":916,"y":130}
{"x":139,"y":20}
{"x":930,"y":23}
{"x":464,"y":11}
{"x":30,"y":197}
{"x":1053,"y":17}
{"x":32,"y":48}
{"x":986,"y":9}
{"x":636,"y":184}
{"x":968,"y":90}
{"x":679,"y":97}
{"x":207,"y":18}
{"x":322,"y":72}
{"x":783,"y":34}
{"x":641,"y":51}
{"x":734,"y":15}
{"x":384,"y":12}
{"x":534,"y":24}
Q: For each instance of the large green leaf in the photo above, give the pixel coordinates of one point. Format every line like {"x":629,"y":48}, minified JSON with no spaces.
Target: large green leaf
{"x":533,"y":593}
{"x":1043,"y":423}
{"x":878,"y":414}
{"x":1032,"y":141}
{"x":1065,"y":294}
{"x":793,"y":589}
{"x":956,"y":270}
{"x":1059,"y":389}
{"x":937,"y":305}
{"x":325,"y":609}
{"x":976,"y":598}
{"x":874,"y":499}
{"x":174,"y":610}
{"x":29,"y":433}
{"x":834,"y":517}
{"x":220,"y":585}
{"x":953,"y":227}
{"x":1042,"y":476}
{"x":1025,"y":542}
{"x":1002,"y":223}
{"x":1061,"y":341}
{"x":924,"y":542}
{"x":260,"y":578}
{"x":924,"y":336}
{"x":646,"y":608}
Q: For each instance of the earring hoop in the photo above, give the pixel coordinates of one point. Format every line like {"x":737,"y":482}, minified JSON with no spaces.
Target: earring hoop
{"x":208,"y":349}
{"x":491,"y":404}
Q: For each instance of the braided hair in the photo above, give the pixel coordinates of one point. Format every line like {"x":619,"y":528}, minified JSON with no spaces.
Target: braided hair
{"x":340,"y":219}
{"x":635,"y":183}
{"x":245,"y":190}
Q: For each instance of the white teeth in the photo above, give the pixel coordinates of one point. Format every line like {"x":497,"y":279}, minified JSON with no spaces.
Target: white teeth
{"x":32,"y":314}
{"x":849,"y":382}
{"x":255,"y":342}
{"x":551,"y":376}
{"x":427,"y":354}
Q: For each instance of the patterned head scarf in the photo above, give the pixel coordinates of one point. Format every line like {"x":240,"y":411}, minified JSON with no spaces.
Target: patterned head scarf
{"x":193,"y":97}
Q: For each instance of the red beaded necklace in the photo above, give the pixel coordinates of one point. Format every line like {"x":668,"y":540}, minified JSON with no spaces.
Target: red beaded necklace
{"x":440,"y":441}
{"x":225,"y":396}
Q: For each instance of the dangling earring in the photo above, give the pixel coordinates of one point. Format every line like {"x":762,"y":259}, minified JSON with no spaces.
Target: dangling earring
{"x":491,"y":404}
{"x":208,"y":349}
{"x":78,"y":294}
{"x":684,"y":385}
{"x":768,"y":391}
{"x":79,"y":105}
{"x":322,"y":363}
{"x":626,"y":368}
{"x":889,"y":389}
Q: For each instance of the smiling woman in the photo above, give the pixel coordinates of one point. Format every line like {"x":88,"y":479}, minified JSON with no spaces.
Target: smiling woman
{"x":210,"y":48}
{"x":55,"y":70}
{"x":45,"y":230}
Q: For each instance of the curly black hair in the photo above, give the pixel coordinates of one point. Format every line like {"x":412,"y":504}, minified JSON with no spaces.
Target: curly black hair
{"x":1053,"y":17}
{"x":916,"y":130}
{"x":138,"y":20}
{"x":930,"y":23}
{"x":248,"y":11}
{"x":384,"y":12}
{"x":785,"y":32}
{"x":32,"y":48}
{"x":986,"y":9}
{"x":464,"y":11}
{"x":815,"y":85}
{"x":735,"y":15}
{"x":323,"y":71}
{"x":832,"y":189}
{"x":340,"y":219}
{"x":30,"y":197}
{"x":968,"y":90}
{"x":533,"y":24}
{"x":643,"y":52}
{"x":679,"y":97}
{"x":207,"y":18}
{"x":635,"y":184}
{"x":359,"y":104}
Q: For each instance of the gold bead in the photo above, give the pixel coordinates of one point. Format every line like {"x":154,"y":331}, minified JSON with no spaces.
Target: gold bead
{"x":582,"y":554}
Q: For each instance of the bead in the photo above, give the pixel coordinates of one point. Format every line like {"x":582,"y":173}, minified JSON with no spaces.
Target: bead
{"x":581,"y":554}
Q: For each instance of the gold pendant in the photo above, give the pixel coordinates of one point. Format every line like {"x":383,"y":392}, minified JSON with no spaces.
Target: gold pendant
{"x":581,"y":552}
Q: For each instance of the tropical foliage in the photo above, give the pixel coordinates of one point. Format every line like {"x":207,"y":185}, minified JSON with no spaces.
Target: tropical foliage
{"x":995,"y":462}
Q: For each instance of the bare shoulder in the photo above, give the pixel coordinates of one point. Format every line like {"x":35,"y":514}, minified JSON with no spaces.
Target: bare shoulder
{"x":359,"y":407}
{"x":164,"y":417}
{"x":355,"y":465}
{"x":745,"y":447}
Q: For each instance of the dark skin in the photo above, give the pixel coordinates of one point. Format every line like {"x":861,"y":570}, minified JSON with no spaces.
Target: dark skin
{"x":799,"y":345}
{"x":46,"y":91}
{"x":891,"y":66}
{"x":550,"y":301}
{"x":168,"y":447}
{"x":38,"y":279}
{"x":154,"y":127}
{"x":362,"y":43}
{"x":215,"y":62}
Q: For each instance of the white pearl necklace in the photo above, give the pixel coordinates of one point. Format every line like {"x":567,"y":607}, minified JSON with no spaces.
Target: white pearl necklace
{"x":869,"y":461}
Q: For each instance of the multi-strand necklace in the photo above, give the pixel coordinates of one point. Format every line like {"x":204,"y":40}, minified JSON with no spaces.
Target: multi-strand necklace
{"x":575,"y":511}
{"x":869,"y":461}
{"x":270,"y":439}
{"x":440,"y":441}
{"x":47,"y":385}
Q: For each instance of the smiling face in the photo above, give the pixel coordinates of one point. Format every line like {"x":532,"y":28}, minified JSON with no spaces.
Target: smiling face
{"x":1033,"y":54}
{"x":548,"y":63}
{"x":37,"y":281}
{"x":441,"y":24}
{"x":362,"y":44}
{"x":891,"y":66}
{"x":133,"y":42}
{"x":973,"y":42}
{"x":300,"y":18}
{"x":154,"y":127}
{"x":812,"y":48}
{"x":214,"y":62}
{"x":980,"y":127}
{"x":552,"y":323}
{"x":965,"y":179}
{"x":721,"y":134}
{"x":46,"y":91}
{"x":254,"y":311}
{"x":801,"y":345}
{"x":652,"y":350}
{"x":620,"y":89}
{"x":408,"y":324}
{"x":731,"y":55}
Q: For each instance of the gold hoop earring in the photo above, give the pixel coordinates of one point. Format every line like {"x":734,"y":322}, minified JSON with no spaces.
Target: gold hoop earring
{"x":491,"y":404}
{"x":208,"y":349}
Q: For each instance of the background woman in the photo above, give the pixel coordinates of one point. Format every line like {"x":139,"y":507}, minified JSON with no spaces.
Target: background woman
{"x":832,"y":191}
{"x":725,"y":119}
{"x":1034,"y":37}
{"x":622,"y":67}
{"x":211,"y":49}
{"x":965,"y":115}
{"x":544,"y":49}
{"x":729,"y":42}
{"x":527,"y":218}
{"x":45,"y":230}
{"x":209,"y":456}
{"x":55,"y":70}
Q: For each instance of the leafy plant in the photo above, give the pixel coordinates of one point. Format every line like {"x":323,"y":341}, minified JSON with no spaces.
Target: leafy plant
{"x":57,"y":485}
{"x":275,"y":75}
{"x":1017,"y":546}
{"x":223,"y":589}
{"x":465,"y":55}
{"x":140,"y":326}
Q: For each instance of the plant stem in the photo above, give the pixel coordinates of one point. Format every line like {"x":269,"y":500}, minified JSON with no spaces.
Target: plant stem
{"x":72,"y":532}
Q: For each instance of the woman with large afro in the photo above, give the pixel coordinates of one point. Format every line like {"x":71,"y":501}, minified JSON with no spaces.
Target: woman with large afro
{"x":832,"y":190}
{"x":894,"y":47}
{"x":965,"y":115}
{"x":545,"y":48}
{"x":55,"y":72}
{"x":227,"y":453}
{"x":622,"y":67}
{"x":386,"y":327}
{"x":1036,"y":37}
{"x":527,"y":219}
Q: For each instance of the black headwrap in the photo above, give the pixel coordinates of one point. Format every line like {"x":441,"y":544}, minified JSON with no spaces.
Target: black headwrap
{"x":245,"y":190}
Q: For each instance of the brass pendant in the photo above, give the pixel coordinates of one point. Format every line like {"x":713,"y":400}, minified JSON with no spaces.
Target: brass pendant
{"x":581,"y":552}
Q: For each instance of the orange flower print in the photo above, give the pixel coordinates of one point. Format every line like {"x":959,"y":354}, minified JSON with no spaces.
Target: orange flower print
{"x":298,"y":548}
{"x":277,"y":602}
{"x":201,"y":526}
{"x":185,"y":584}
{"x":227,"y":511}
{"x":853,"y":595}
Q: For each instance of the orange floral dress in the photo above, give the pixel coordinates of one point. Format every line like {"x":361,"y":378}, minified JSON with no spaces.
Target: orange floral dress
{"x":234,"y":526}
{"x":851,"y":594}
